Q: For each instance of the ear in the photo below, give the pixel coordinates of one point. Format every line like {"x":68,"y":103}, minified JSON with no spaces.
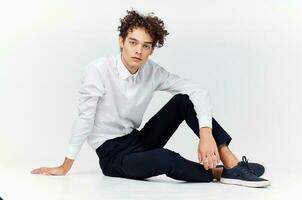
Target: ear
{"x":121,"y":42}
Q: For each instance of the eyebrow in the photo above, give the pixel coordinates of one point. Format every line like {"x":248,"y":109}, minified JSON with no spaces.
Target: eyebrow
{"x":131,"y":38}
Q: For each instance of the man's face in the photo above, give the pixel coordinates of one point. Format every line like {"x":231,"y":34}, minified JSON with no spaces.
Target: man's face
{"x":136,"y":48}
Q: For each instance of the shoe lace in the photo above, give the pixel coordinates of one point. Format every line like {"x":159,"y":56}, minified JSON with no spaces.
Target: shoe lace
{"x":245,"y":160}
{"x":245,"y":167}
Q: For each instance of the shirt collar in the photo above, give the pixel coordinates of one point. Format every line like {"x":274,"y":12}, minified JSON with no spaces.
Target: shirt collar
{"x":123,"y":71}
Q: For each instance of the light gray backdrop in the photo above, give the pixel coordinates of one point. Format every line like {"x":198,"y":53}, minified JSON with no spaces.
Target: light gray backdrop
{"x":246,"y":53}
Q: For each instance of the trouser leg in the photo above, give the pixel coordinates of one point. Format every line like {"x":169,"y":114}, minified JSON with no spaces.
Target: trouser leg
{"x":159,"y":129}
{"x":126,"y":157}
{"x":159,"y":161}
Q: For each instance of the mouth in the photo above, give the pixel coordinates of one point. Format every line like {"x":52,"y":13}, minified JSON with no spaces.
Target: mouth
{"x":136,"y":59}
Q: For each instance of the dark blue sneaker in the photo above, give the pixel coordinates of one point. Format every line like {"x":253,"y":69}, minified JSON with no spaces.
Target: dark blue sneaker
{"x":241,"y":174}
{"x":255,"y":168}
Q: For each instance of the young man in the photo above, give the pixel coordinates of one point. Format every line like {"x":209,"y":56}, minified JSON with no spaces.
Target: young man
{"x":114,"y":95}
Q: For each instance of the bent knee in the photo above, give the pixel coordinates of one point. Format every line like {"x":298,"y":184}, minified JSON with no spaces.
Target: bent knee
{"x":181,"y":97}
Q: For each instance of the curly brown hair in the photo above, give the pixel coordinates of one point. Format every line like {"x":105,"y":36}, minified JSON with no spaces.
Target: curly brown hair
{"x":152,"y":24}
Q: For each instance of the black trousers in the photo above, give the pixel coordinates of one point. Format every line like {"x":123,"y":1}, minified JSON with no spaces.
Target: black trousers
{"x":141,"y":154}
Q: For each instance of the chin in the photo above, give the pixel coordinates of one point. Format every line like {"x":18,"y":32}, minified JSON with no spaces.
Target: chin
{"x":136,"y":65}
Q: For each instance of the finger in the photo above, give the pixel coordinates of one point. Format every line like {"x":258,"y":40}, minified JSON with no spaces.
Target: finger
{"x":214,"y":160}
{"x":217,"y":156}
{"x":46,"y":171}
{"x":210,"y":161}
{"x":205,"y":163}
{"x":205,"y":166}
{"x":43,"y":169}
{"x":199,"y":157}
{"x":36,"y":171}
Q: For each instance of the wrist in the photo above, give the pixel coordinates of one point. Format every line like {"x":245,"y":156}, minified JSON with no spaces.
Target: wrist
{"x":205,"y":131}
{"x":67,"y":164}
{"x":64,"y":169}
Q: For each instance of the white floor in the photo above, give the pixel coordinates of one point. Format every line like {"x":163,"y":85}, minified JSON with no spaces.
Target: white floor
{"x":17,"y":183}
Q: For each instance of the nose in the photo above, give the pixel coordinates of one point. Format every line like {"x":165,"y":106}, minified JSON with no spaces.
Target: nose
{"x":139,"y":49}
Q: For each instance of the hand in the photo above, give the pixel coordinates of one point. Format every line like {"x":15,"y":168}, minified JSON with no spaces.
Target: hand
{"x":207,"y":149}
{"x":58,"y":171}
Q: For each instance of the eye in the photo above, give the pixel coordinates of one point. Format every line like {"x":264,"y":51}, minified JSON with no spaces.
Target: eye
{"x":132,"y":43}
{"x":147,"y":46}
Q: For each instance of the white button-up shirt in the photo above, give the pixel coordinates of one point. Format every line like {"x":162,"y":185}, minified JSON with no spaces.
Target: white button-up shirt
{"x":112,"y":101}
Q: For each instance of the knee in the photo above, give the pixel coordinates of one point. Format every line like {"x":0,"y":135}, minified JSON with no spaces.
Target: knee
{"x":182,"y":103}
{"x":181,"y":98}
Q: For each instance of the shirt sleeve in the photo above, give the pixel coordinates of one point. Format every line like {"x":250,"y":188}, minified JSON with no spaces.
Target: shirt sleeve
{"x":91,"y":90}
{"x":166,"y":81}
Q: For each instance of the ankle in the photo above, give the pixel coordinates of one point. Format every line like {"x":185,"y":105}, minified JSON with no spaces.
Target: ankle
{"x":228,"y":159}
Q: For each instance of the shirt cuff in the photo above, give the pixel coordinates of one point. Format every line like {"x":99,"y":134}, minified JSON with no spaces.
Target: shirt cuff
{"x":72,"y":152}
{"x":205,"y":121}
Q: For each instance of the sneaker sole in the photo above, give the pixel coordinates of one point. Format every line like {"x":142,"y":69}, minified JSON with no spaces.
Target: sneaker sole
{"x":245,"y":183}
